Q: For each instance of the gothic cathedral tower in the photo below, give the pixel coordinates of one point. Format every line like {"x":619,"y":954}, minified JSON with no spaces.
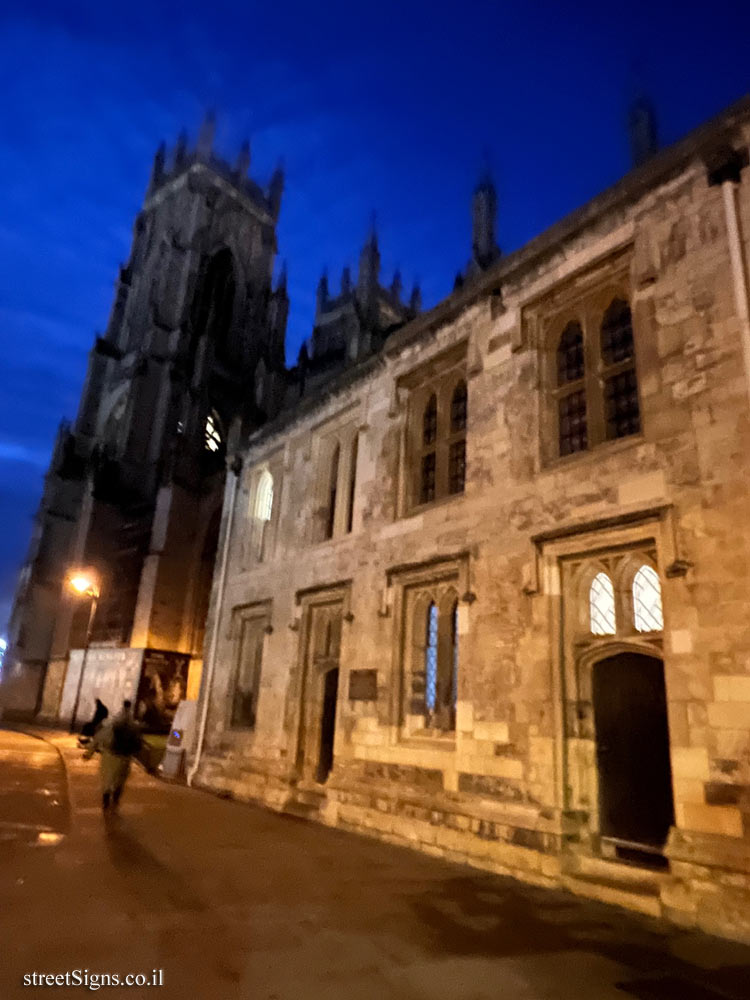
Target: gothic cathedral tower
{"x":192,"y":358}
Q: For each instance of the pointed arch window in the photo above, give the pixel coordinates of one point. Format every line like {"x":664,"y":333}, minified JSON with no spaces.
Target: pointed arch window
{"x":602,"y":605}
{"x":647,"y":606}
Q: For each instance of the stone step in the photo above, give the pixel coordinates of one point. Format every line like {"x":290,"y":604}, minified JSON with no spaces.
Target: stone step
{"x":618,"y":872}
{"x":643,"y":897}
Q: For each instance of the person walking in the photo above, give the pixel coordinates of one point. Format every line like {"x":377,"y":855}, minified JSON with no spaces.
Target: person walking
{"x":89,"y":728}
{"x":118,"y":741}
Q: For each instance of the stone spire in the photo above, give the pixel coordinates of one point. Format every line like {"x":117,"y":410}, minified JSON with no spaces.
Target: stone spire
{"x":415,"y":299}
{"x":484,"y":248}
{"x":369,"y":265}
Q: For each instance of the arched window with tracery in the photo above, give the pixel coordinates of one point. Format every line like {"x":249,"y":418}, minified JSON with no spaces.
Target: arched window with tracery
{"x":602,"y":616}
{"x":571,"y":391}
{"x":648,"y":615}
{"x":428,"y":466}
{"x":457,"y":441}
{"x":621,"y":408}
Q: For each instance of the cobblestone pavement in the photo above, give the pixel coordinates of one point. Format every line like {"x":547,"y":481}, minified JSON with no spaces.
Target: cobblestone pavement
{"x":234,"y":901}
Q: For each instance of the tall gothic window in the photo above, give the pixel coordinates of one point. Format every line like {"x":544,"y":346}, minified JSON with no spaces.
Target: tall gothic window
{"x":602,"y":605}
{"x":571,"y":404}
{"x":333,"y":479}
{"x":213,"y":305}
{"x":647,"y":608}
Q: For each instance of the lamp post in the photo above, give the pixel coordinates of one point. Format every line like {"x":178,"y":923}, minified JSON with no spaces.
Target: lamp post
{"x":84,"y":584}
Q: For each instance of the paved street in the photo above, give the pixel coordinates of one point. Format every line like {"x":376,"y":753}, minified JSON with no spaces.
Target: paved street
{"x":234,"y":901}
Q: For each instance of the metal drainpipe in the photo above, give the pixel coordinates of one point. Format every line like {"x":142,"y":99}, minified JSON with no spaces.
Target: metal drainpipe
{"x":209,"y":675}
{"x":736,"y":257}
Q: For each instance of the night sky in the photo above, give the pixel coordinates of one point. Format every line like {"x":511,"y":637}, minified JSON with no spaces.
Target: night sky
{"x":392,"y":107}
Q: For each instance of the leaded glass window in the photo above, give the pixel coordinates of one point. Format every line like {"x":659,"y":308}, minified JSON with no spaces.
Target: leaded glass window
{"x":647,"y":608}
{"x":430,"y":657}
{"x":570,"y":365}
{"x":572,"y":423}
{"x":602,"y":605}
{"x":617,"y":333}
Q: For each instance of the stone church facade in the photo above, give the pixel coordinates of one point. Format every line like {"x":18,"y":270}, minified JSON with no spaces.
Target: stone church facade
{"x":193,"y":353}
{"x":485,"y":591}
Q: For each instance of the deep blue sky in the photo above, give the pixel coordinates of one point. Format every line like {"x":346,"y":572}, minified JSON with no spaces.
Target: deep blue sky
{"x":385,"y":106}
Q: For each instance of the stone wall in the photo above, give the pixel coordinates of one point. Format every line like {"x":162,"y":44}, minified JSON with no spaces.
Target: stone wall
{"x":514,"y":785}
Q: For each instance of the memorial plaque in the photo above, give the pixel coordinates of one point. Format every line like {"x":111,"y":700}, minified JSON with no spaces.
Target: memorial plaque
{"x":363,"y":685}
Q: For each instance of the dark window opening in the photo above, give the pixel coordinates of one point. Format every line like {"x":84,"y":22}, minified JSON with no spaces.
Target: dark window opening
{"x":617,"y":333}
{"x":621,"y":408}
{"x":427,"y":489}
{"x":572,"y":417}
{"x":570,"y":364}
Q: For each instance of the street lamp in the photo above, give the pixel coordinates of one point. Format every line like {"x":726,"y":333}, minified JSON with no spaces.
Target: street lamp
{"x":84,"y":583}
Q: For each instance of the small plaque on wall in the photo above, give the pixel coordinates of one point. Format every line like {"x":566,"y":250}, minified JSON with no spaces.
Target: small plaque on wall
{"x":363,"y":685}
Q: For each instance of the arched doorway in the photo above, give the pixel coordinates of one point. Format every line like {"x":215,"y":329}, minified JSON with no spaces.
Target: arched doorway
{"x":636,"y":807}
